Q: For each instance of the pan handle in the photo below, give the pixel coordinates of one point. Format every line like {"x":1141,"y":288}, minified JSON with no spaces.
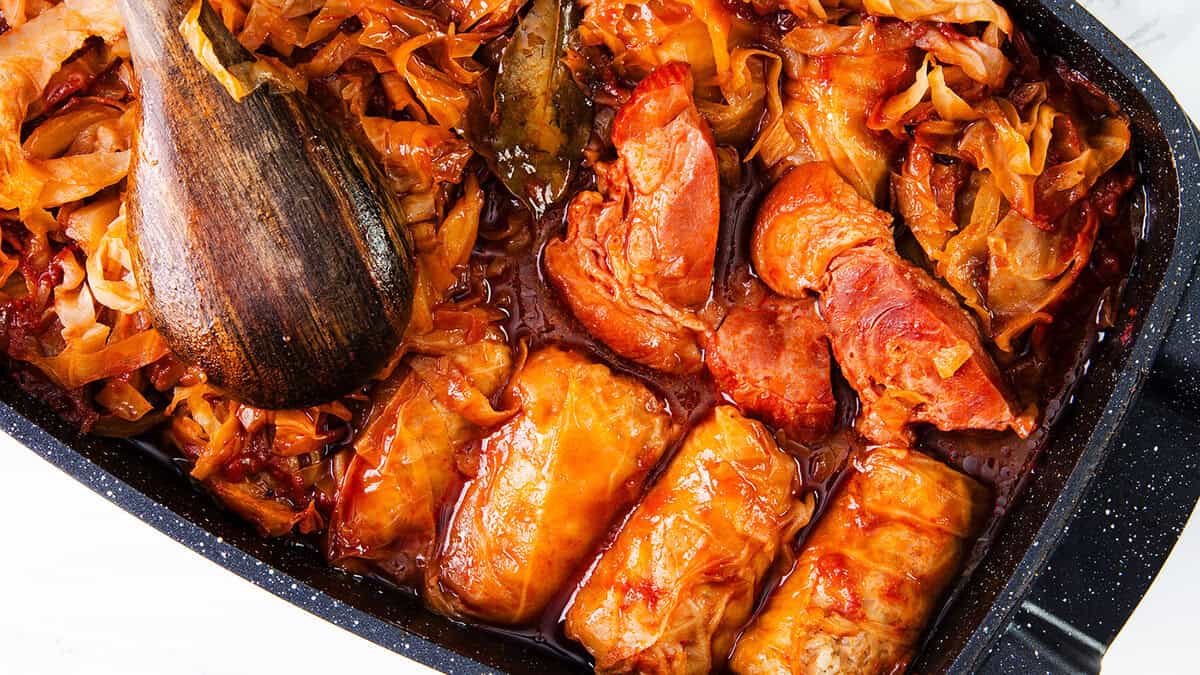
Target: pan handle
{"x":1175,"y":379}
{"x":1122,"y":533}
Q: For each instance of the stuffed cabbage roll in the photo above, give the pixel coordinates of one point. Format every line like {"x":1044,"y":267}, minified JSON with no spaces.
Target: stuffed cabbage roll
{"x":871,"y":573}
{"x":548,"y":485}
{"x":771,"y":358}
{"x":811,"y":216}
{"x":405,"y":457}
{"x":680,"y":580}
{"x":637,"y":260}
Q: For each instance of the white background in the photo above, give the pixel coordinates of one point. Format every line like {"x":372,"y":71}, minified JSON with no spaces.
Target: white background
{"x":87,"y":588}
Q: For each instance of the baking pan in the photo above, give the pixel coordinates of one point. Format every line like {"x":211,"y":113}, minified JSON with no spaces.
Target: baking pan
{"x":965,"y":639}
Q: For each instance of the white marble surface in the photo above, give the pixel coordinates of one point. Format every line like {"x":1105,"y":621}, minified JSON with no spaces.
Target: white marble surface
{"x":87,"y":588}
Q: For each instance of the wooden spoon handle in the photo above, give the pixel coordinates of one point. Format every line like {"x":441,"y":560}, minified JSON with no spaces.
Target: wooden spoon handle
{"x":267,"y":244}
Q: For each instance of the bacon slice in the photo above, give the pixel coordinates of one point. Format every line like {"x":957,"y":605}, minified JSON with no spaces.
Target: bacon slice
{"x":809,"y":218}
{"x":772,"y":359}
{"x":637,"y":259}
{"x":902,"y":340}
{"x":909,"y":349}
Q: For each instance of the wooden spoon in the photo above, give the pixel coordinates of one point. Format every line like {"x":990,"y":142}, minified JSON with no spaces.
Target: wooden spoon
{"x":269,"y":249}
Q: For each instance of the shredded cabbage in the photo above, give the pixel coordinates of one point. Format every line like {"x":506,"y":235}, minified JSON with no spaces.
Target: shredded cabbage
{"x":1025,"y":162}
{"x":835,"y":77}
{"x":29,"y":56}
{"x":949,"y":11}
{"x":733,"y":79}
{"x":405,"y":78}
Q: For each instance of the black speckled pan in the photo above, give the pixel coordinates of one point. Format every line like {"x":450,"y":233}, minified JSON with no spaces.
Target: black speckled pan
{"x":1056,"y":562}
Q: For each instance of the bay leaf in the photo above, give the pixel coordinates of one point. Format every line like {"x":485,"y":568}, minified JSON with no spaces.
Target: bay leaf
{"x":542,"y":117}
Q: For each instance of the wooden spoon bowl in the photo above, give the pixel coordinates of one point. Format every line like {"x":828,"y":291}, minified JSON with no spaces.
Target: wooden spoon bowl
{"x":268,"y":246}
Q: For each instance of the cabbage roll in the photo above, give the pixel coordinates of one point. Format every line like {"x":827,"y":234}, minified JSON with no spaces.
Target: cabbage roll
{"x":548,"y":486}
{"x":680,"y":580}
{"x":405,"y":457}
{"x":836,"y":77}
{"x":872,"y":572}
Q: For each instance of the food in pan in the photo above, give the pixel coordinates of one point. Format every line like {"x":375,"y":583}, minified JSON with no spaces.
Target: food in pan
{"x":733,"y":324}
{"x":680,"y":581}
{"x":871,"y":572}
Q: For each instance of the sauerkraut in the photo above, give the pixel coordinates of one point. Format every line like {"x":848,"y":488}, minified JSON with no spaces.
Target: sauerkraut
{"x":72,"y":314}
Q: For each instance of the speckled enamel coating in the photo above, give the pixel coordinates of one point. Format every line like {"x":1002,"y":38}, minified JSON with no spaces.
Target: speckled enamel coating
{"x":1105,"y":506}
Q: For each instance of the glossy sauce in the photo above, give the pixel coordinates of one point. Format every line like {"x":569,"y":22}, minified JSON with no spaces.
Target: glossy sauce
{"x":508,"y":272}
